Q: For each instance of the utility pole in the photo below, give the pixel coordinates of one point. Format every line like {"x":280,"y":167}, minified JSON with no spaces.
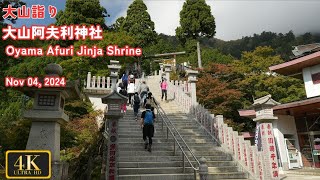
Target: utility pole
{"x":199,"y":55}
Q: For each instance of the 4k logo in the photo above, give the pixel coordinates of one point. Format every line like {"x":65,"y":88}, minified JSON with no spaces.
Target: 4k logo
{"x":28,"y":164}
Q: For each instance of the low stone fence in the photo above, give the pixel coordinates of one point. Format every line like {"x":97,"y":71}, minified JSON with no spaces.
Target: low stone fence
{"x":179,"y":92}
{"x":97,"y":82}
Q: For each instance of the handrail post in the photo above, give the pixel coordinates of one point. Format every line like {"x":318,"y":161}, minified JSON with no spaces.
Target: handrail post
{"x":203,"y":169}
{"x":162,"y":122}
{"x":167,"y":133}
{"x":174,"y":148}
{"x":184,"y":166}
{"x":195,"y":174}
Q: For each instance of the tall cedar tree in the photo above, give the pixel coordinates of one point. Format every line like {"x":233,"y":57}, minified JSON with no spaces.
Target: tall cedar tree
{"x":82,"y":11}
{"x":196,"y":20}
{"x":138,"y":24}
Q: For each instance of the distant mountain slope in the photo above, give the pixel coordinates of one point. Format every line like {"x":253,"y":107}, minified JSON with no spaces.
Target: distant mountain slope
{"x":281,"y":43}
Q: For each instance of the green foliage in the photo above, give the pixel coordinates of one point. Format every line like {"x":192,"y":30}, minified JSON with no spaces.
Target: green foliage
{"x":255,"y":80}
{"x":13,"y":129}
{"x":208,"y":56}
{"x":138,"y":24}
{"x":281,"y":43}
{"x":258,"y":61}
{"x":82,"y":12}
{"x":78,"y":108}
{"x":225,"y":88}
{"x":77,"y":67}
{"x":117,"y":25}
{"x":196,"y":21}
{"x":14,"y":4}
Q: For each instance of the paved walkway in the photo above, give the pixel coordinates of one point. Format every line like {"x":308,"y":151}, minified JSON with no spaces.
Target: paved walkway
{"x":299,"y":177}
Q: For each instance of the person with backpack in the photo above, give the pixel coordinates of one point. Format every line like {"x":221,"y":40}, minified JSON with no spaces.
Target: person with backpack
{"x":125,"y":81}
{"x":124,"y":93}
{"x":147,"y":120}
{"x":164,"y":87}
{"x":144,"y":89}
{"x":136,"y":104}
{"x":150,"y":100}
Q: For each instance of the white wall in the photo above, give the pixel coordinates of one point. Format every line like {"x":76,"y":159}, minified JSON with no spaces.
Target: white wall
{"x":97,"y":105}
{"x":312,"y":90}
{"x":284,"y":125}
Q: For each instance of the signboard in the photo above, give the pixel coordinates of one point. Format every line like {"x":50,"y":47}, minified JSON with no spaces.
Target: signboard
{"x":316,"y":152}
{"x":269,"y":151}
{"x":257,"y":138}
{"x":112,"y":150}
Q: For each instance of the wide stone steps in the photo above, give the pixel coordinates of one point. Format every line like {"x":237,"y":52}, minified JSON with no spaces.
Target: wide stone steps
{"x":145,"y":164}
{"x":168,"y":153}
{"x":186,"y":176}
{"x":185,"y":123}
{"x":164,"y":140}
{"x":135,"y":163}
{"x":169,"y":158}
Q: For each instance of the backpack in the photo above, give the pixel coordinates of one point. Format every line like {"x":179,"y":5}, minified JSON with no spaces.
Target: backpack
{"x":148,"y":118}
{"x":125,"y":78}
{"x":136,"y":99}
{"x":123,"y":92}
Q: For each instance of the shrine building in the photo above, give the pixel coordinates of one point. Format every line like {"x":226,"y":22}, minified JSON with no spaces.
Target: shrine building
{"x":297,"y":127}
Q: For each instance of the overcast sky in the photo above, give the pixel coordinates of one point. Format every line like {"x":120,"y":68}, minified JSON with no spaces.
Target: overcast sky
{"x":234,"y":19}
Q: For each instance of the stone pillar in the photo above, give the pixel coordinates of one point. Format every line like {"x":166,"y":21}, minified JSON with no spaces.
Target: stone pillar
{"x":192,"y":79}
{"x":167,"y":69}
{"x":113,"y":114}
{"x":114,"y":69}
{"x":47,"y":115}
{"x":264,"y":116}
{"x":161,"y":69}
{"x":89,"y":80}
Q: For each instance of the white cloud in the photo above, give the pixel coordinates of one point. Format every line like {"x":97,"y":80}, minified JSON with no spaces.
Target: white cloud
{"x":165,"y":15}
{"x":234,"y":19}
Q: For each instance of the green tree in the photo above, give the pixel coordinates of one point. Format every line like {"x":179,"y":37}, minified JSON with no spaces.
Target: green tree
{"x":196,"y":20}
{"x":117,"y":25}
{"x":82,"y":12}
{"x":254,"y":79}
{"x":14,"y":4}
{"x":138,"y":24}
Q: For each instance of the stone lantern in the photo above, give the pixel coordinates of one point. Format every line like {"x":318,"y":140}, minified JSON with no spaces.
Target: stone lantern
{"x":161,"y":69}
{"x":265,"y":141}
{"x":167,"y":69}
{"x":192,"y":79}
{"x":263,"y":108}
{"x":114,"y":69}
{"x":113,"y":114}
{"x":47,"y":115}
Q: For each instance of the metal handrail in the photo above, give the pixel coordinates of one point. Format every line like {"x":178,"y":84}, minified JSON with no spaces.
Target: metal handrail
{"x":158,"y":107}
{"x":178,"y":133}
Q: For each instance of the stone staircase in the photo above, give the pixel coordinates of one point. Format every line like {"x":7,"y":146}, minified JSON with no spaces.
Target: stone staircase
{"x":135,"y":163}
{"x":220,"y":163}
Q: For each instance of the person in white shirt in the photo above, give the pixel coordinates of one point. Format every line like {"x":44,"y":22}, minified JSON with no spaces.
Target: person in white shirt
{"x":131,"y":89}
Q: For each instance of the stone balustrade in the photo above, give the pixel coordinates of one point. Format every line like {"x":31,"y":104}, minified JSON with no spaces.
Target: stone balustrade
{"x":97,"y":82}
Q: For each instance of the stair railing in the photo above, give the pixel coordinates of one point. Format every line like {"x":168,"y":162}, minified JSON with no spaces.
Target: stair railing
{"x":166,"y":121}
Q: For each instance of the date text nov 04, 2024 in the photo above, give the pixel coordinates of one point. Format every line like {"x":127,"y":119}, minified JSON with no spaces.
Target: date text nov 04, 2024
{"x":34,"y":82}
{"x":93,"y":52}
